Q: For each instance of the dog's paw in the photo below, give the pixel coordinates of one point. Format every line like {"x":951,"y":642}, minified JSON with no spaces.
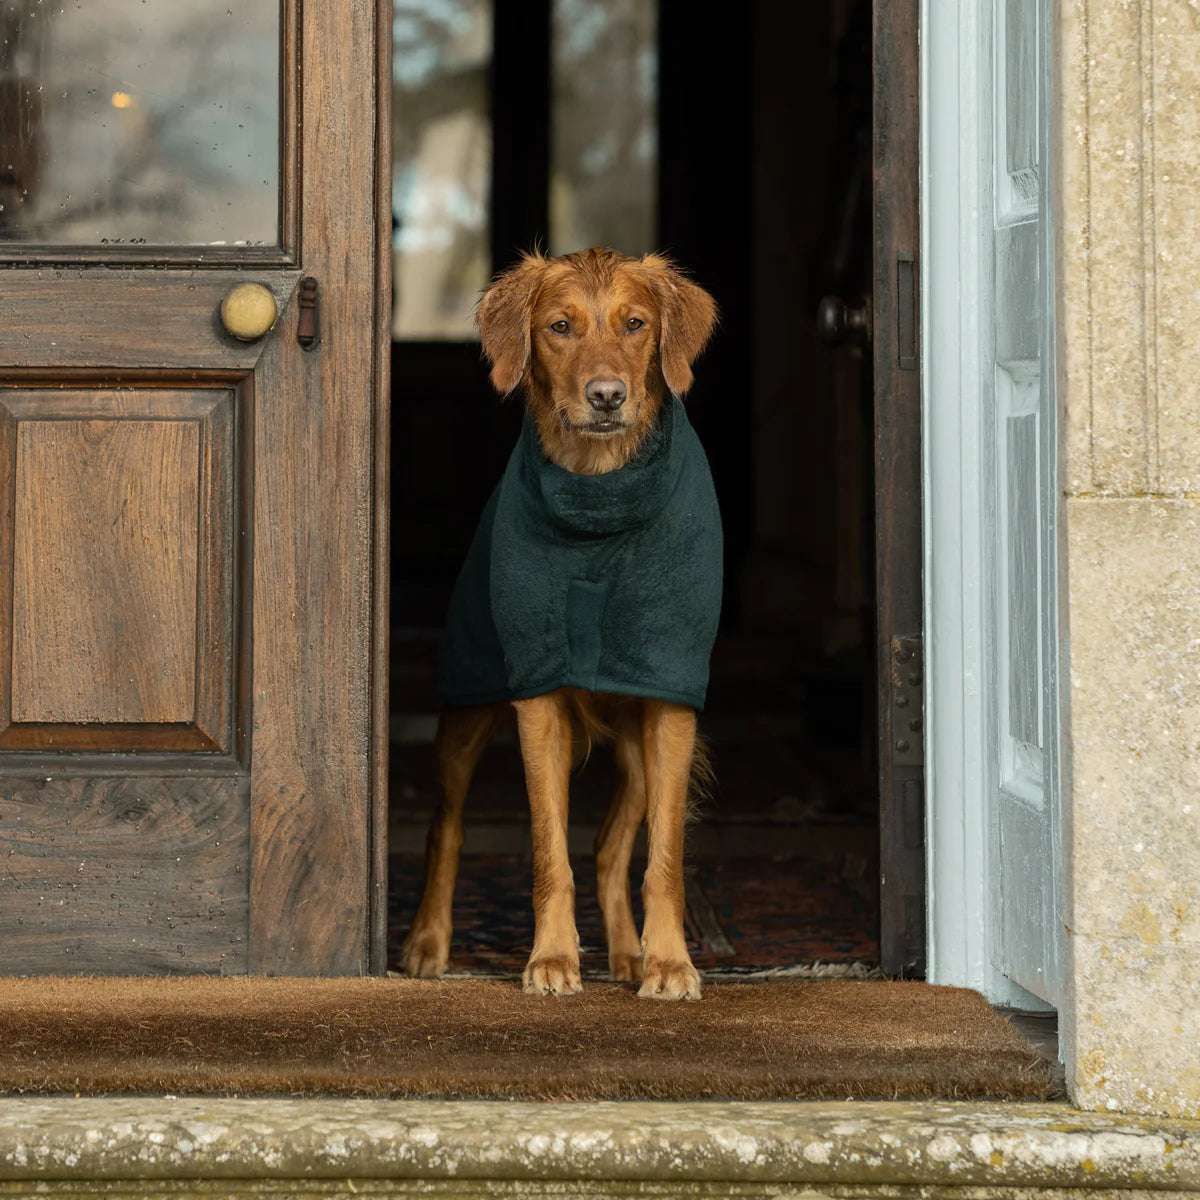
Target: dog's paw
{"x":670,"y":980}
{"x":623,"y":966}
{"x":425,"y":955}
{"x":557,"y":975}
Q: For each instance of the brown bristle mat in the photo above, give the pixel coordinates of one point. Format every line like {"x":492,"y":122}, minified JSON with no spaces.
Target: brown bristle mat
{"x":389,"y":1037}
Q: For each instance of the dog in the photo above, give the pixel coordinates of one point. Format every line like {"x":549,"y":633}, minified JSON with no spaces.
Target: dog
{"x":587,"y":606}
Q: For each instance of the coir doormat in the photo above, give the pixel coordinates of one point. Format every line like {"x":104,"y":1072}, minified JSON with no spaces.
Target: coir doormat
{"x":473,"y":1038}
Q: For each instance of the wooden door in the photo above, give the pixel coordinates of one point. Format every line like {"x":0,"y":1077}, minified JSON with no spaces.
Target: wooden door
{"x":898,"y":524}
{"x":190,"y":525}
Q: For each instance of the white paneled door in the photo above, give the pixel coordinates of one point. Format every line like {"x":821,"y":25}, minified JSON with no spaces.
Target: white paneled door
{"x":991,"y":486}
{"x":1019,"y":460}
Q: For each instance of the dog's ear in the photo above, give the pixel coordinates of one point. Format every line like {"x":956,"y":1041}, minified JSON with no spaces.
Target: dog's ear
{"x":687,"y":317}
{"x":503,"y":318}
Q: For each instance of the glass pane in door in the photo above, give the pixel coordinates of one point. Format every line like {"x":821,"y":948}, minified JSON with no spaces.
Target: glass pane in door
{"x":127,"y":122}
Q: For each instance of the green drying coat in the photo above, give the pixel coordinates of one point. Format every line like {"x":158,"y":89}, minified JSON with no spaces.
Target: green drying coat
{"x":610,"y":583}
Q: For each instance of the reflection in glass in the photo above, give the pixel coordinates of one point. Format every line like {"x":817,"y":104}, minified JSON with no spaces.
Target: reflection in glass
{"x":125,"y":122}
{"x":441,"y":175}
{"x":604,"y":148}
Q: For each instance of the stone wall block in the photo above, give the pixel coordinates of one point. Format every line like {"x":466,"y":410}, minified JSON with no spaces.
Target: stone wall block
{"x":1072,"y":266}
{"x":1136,"y":1036}
{"x":1127,"y":120}
{"x":1175,"y":171}
{"x":1135,"y":719}
{"x":1118,"y":226}
{"x":1132,"y":822}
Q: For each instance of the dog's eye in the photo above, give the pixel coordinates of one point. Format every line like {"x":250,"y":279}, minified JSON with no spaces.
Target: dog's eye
{"x":560,"y":326}
{"x":634,"y":323}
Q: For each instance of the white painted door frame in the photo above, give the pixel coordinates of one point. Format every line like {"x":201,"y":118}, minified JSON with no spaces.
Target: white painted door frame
{"x":958,"y":365}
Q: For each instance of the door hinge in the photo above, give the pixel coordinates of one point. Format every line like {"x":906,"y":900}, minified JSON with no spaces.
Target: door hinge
{"x":906,"y":312}
{"x":908,"y":702}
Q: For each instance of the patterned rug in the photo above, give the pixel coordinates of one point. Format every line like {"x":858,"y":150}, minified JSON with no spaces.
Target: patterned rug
{"x":745,"y":917}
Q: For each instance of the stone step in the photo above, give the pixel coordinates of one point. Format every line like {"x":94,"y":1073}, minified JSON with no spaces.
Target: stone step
{"x":155,"y":1146}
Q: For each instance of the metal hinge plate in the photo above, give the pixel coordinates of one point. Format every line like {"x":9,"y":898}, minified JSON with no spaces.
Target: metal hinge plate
{"x":908,"y":702}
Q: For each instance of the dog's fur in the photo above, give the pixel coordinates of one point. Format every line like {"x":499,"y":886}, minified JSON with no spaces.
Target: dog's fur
{"x":551,"y":327}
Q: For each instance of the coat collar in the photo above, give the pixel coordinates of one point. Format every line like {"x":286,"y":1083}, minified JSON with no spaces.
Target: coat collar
{"x":595,"y":505}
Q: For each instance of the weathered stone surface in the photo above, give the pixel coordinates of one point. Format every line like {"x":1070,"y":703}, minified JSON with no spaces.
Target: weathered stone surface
{"x":539,"y":1189}
{"x":1136,"y":1039}
{"x":1129,"y":246}
{"x":1132,"y":904}
{"x":861,"y":1144}
{"x":1104,"y":252}
{"x":1128,"y":122}
{"x":1172,"y":61}
{"x":1072,"y":268}
{"x":1134,"y":656}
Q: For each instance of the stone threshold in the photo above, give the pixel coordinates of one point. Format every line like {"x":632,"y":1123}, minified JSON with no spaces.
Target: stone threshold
{"x":103,"y":1146}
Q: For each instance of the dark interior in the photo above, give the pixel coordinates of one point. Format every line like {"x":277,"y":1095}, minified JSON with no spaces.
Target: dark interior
{"x":763,"y":193}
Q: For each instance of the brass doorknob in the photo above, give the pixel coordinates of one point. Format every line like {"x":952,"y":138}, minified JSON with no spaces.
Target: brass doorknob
{"x":249,"y":311}
{"x":839,"y":322}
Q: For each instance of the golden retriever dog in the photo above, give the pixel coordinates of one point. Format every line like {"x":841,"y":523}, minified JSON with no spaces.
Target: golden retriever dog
{"x":599,"y":345}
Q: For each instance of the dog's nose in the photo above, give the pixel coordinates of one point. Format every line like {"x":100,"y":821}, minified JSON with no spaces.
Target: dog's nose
{"x":605,"y":395}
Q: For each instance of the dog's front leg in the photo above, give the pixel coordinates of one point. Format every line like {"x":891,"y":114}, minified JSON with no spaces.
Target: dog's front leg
{"x":462,"y":735}
{"x":545,"y":730}
{"x":668,"y":743}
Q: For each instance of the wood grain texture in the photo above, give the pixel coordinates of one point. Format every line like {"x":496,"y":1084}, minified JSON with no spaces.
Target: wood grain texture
{"x":287,"y":493}
{"x":311,"y":757}
{"x":85,"y":317}
{"x":124,"y":876}
{"x":221,"y":570}
{"x":104,"y":579}
{"x":898,"y":536}
{"x":381,"y":591}
{"x":120,"y":564}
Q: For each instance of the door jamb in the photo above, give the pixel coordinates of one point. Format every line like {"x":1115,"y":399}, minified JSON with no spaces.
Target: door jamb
{"x":381,"y":597}
{"x":954,"y":593}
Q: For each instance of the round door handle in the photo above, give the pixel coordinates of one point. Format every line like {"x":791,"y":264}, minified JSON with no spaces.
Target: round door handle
{"x":249,"y":311}
{"x":839,"y":322}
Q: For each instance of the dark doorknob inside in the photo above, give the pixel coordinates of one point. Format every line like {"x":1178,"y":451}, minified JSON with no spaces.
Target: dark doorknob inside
{"x":839,"y":322}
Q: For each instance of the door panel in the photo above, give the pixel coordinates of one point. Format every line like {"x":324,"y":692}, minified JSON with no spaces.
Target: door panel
{"x":190,"y":773}
{"x":77,"y":317}
{"x":125,"y":505}
{"x":121,"y":588}
{"x":136,"y":874}
{"x":1020,"y":494}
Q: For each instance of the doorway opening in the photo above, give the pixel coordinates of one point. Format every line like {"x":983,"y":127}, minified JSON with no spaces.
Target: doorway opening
{"x":743,"y":149}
